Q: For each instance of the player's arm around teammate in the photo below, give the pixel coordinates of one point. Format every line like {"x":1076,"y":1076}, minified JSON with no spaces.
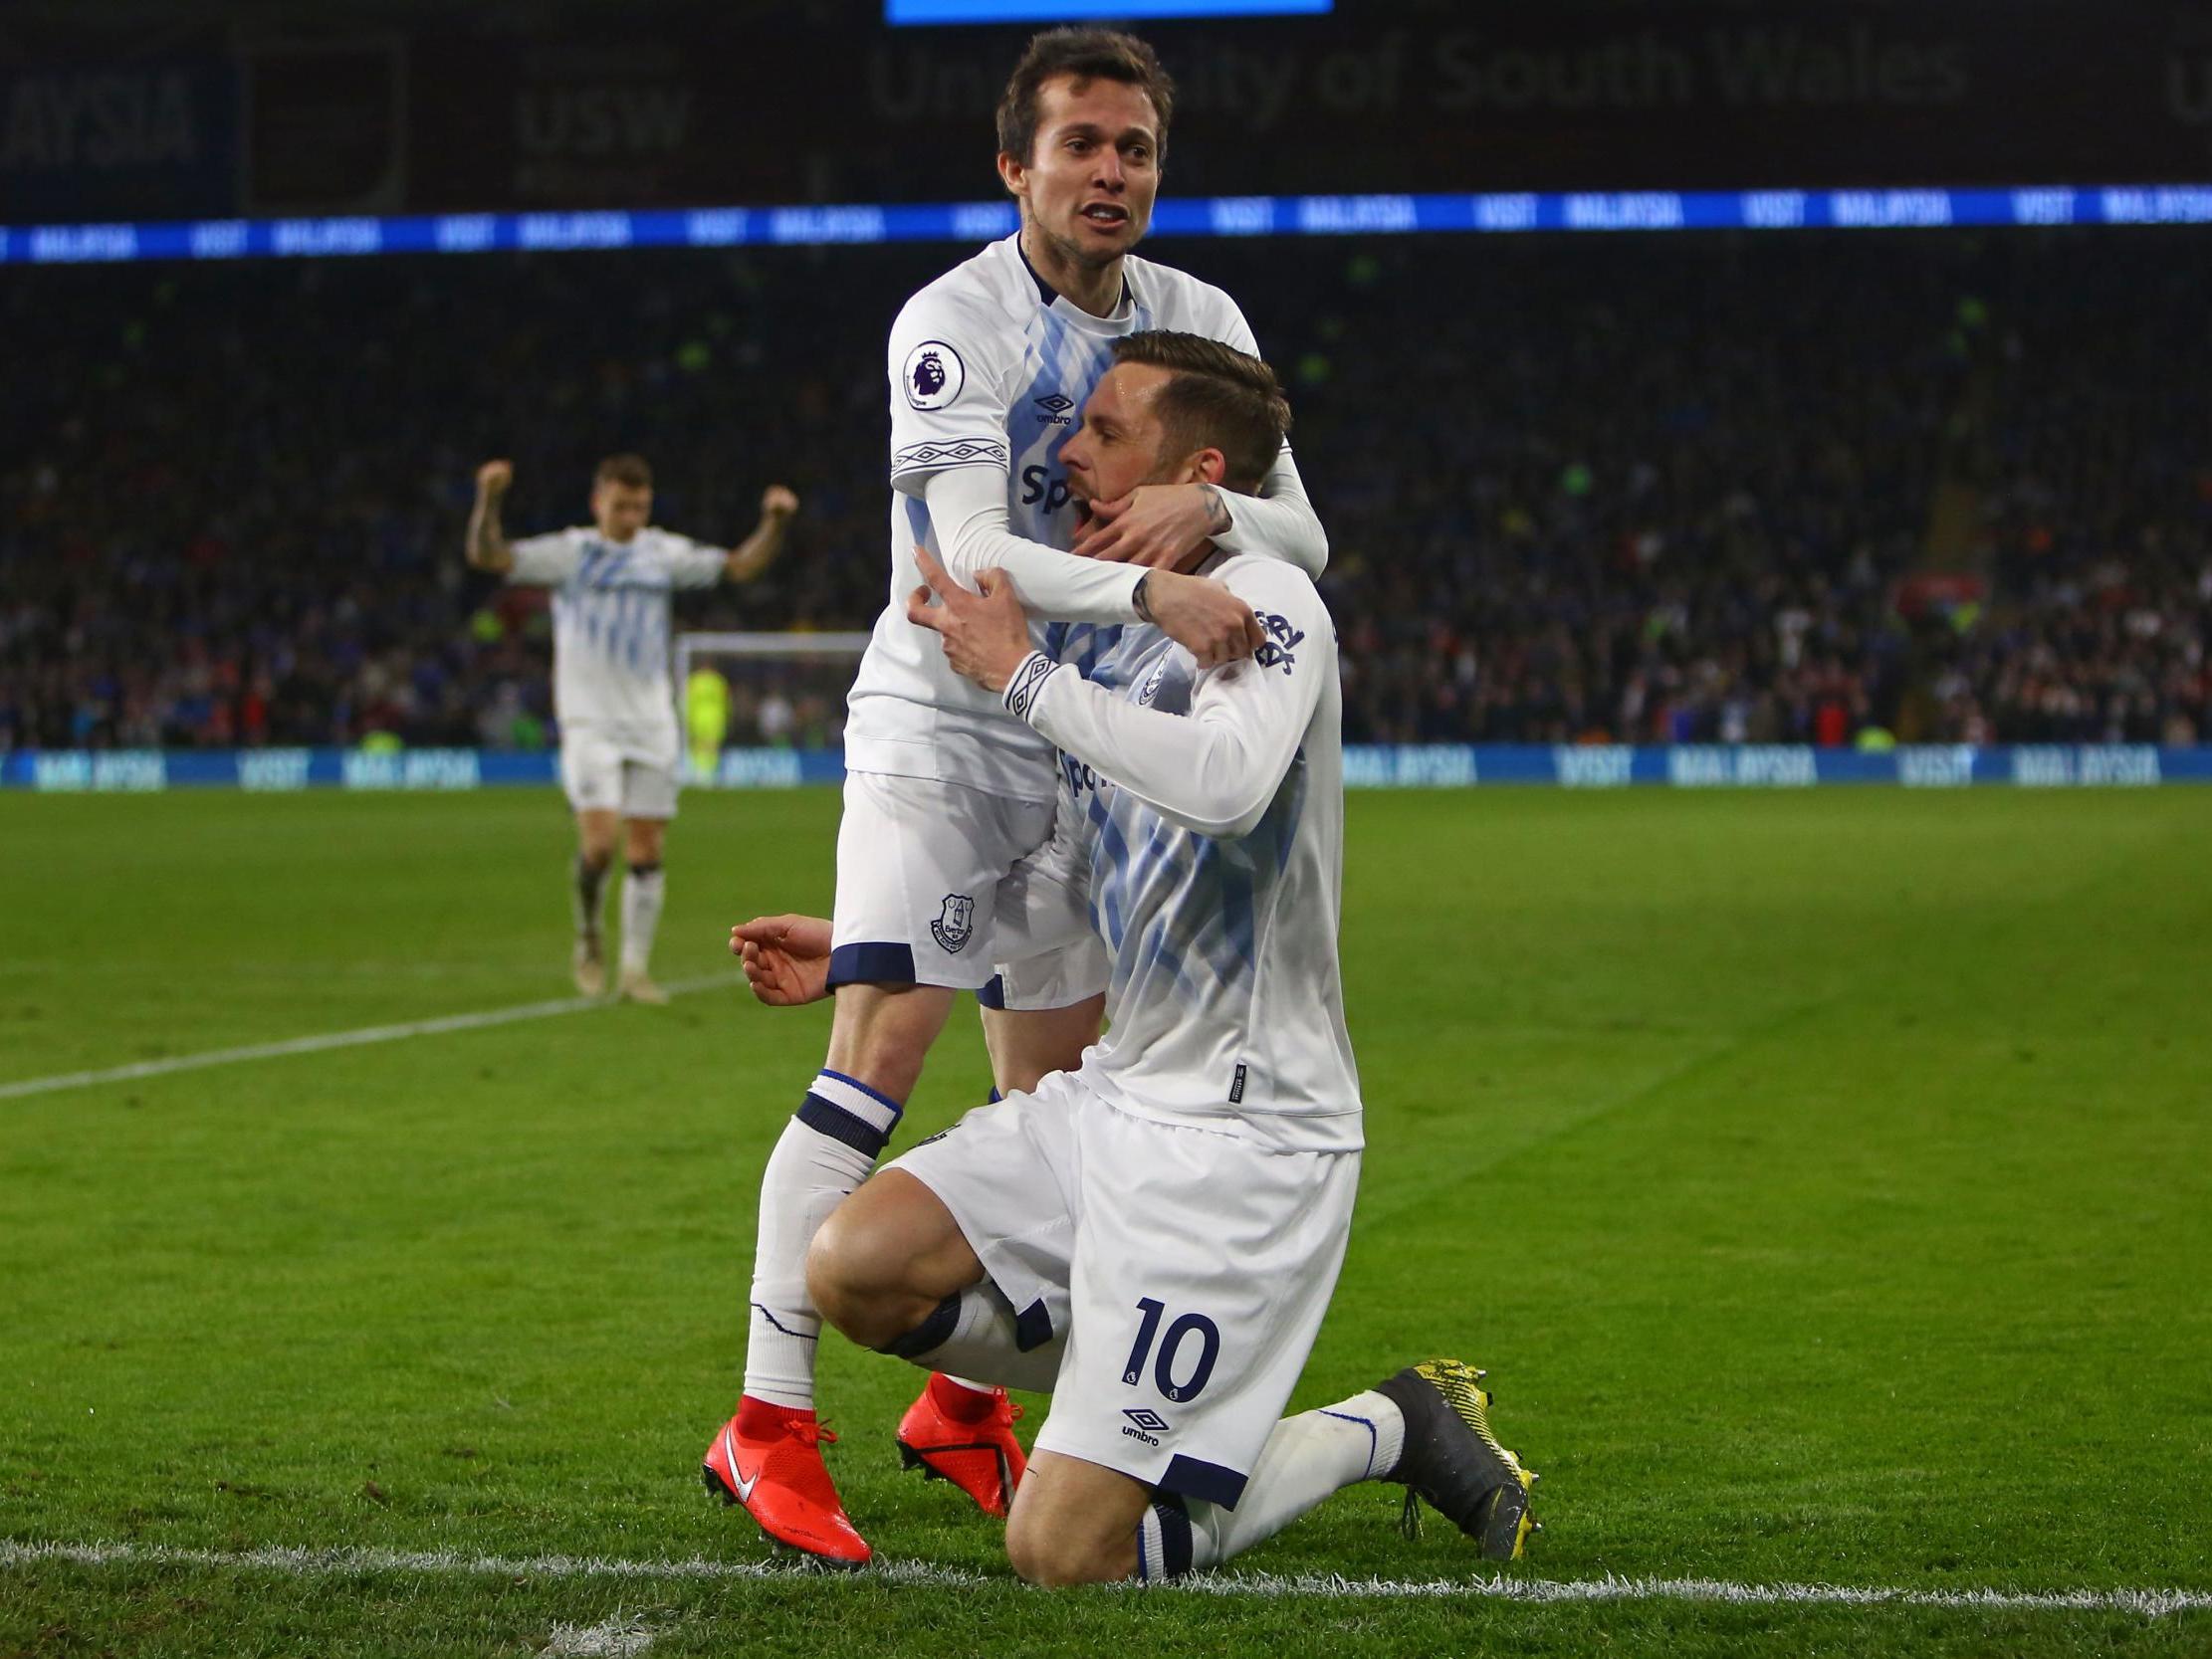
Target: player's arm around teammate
{"x":1160,"y":525}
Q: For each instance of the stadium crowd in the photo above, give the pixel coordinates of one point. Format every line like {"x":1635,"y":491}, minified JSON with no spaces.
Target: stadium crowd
{"x":1627,"y":488}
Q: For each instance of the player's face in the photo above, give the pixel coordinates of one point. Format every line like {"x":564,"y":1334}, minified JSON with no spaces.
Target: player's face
{"x":1088,"y":183}
{"x":1117,"y":446}
{"x":620,"y":509}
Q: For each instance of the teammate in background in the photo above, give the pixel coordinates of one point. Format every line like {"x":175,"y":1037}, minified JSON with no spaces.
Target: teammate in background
{"x":1155,"y":1237}
{"x":944,"y":793}
{"x":619,"y":749}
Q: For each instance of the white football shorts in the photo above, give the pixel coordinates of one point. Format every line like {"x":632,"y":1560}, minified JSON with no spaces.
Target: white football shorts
{"x":1188,"y":1271}
{"x":919,"y":865}
{"x":603,"y":769}
{"x":1056,"y":980}
{"x":1047,"y":896}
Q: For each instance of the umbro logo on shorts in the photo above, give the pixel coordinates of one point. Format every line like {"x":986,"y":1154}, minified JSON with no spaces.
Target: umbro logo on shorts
{"x":956,"y":924}
{"x":1149,"y":1425}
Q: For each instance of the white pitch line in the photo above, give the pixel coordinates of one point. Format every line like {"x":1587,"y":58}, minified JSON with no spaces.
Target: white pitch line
{"x":297,"y":1562}
{"x":341,"y":1039}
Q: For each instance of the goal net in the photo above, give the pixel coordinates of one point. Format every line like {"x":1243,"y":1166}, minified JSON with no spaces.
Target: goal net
{"x":760,"y":709}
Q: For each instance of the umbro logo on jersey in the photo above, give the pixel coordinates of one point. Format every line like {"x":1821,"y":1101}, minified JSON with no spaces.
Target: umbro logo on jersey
{"x":1055,"y":406}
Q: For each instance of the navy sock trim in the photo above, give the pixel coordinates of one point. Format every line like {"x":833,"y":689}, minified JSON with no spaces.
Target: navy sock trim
{"x":928,"y":1336}
{"x":652,"y":869}
{"x":826,"y":1118}
{"x":1174,"y":1536}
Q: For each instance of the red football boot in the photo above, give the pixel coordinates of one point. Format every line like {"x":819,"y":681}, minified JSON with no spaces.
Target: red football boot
{"x":769,"y":1458}
{"x":965,"y":1436}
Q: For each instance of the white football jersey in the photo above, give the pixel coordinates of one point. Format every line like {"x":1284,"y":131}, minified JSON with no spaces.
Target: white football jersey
{"x":990,"y":368}
{"x":1202,"y":836}
{"x":611,"y":608}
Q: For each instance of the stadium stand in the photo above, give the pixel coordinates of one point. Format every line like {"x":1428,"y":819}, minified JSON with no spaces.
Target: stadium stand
{"x":1811,"y":489}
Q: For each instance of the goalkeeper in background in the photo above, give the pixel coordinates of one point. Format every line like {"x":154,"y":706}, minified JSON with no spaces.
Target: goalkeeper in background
{"x":612,"y":582}
{"x":706,"y":720}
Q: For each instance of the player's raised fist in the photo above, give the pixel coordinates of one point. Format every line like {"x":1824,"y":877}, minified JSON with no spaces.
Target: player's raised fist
{"x":493,"y":477}
{"x":777,"y":501}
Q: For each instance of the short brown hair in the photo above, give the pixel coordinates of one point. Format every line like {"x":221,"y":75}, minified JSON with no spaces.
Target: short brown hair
{"x":1217,"y":398}
{"x":630,"y":471}
{"x":1088,"y":55}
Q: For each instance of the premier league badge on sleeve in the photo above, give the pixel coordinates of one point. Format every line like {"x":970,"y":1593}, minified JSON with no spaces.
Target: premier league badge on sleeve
{"x":957,"y":925}
{"x":934,"y":375}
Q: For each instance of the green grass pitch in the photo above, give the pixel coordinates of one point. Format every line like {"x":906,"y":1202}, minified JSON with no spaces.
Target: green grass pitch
{"x":1826,"y":1180}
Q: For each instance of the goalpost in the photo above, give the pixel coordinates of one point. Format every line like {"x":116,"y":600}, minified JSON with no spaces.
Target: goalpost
{"x":773,"y":712}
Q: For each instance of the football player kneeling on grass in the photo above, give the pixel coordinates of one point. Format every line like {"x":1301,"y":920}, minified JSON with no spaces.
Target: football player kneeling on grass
{"x":1155,"y":1236}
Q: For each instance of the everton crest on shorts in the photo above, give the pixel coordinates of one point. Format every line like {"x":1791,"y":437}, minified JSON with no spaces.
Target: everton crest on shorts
{"x":957,"y":923}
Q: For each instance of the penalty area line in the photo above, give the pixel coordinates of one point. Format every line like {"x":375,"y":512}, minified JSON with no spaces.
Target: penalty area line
{"x":303,"y":1563}
{"x":328,"y":1040}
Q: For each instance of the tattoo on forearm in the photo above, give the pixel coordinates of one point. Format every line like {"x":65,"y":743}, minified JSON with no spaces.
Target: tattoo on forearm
{"x":1216,"y":510}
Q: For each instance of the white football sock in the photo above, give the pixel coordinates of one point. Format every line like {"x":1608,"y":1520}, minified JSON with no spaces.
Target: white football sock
{"x":589,"y":897}
{"x":978,"y":1335}
{"x":824,"y":1151}
{"x":1307,"y":1458}
{"x":642,"y":890}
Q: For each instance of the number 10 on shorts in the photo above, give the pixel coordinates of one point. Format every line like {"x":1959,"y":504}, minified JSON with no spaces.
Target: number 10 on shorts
{"x":1171,"y":1348}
